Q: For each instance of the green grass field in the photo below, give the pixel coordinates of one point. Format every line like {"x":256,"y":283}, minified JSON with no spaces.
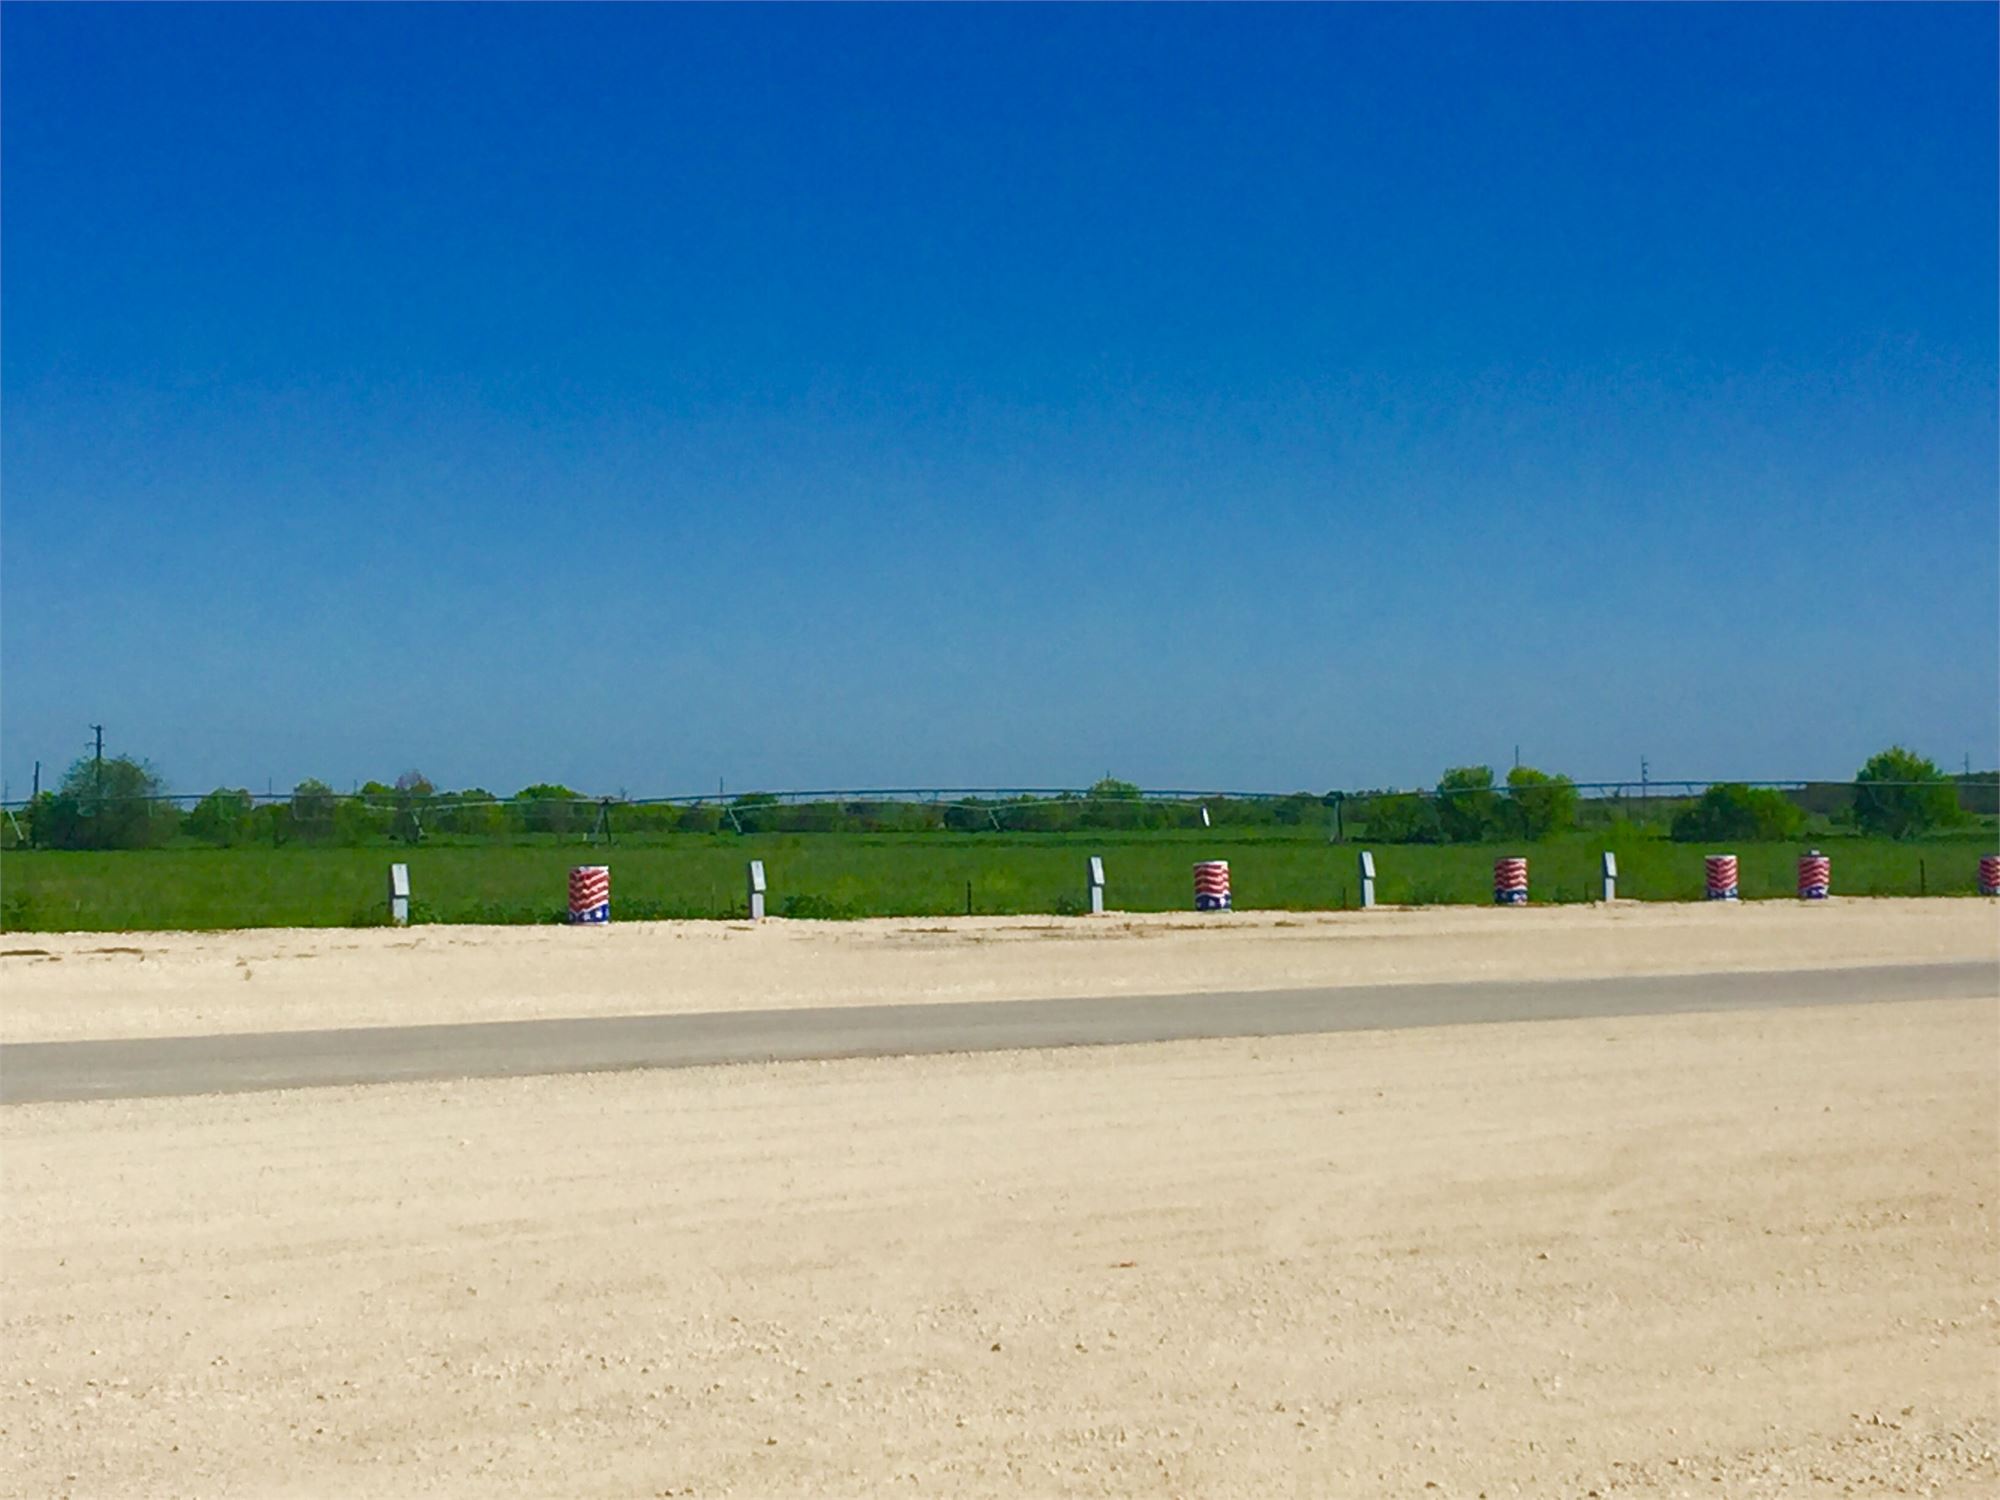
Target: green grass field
{"x":851,"y":875}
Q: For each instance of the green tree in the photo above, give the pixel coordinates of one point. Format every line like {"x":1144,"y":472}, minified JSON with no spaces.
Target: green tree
{"x":1468,"y":807}
{"x":1400,"y":818}
{"x":473,"y":811}
{"x":550,"y":808}
{"x":35,"y":818}
{"x":701,"y":817}
{"x":1900,"y":793}
{"x":1541,"y":804}
{"x":1111,"y":789}
{"x":363,"y":819}
{"x":112,"y":804}
{"x":222,"y":817}
{"x":312,"y":810}
{"x":414,"y":795}
{"x":1730,"y":810}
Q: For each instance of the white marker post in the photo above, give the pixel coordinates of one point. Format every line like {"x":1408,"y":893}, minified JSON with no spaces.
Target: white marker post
{"x":1610,"y":876}
{"x":399,"y":895}
{"x":1096,"y":886}
{"x":1367,"y":879}
{"x":756,"y":890}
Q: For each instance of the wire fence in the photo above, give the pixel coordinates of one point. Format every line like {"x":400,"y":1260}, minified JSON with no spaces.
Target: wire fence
{"x":1472,"y":813}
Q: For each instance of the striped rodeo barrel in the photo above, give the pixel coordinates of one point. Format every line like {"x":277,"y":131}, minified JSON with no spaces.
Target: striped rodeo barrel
{"x":1815,"y":876}
{"x":1721,"y":870}
{"x":590,"y":894}
{"x":1510,"y":881}
{"x":1989,"y":874}
{"x":1211,"y":885}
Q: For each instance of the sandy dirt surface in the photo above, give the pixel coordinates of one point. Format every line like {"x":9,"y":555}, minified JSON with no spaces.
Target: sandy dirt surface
{"x":67,"y":986}
{"x":1690,"y":1255}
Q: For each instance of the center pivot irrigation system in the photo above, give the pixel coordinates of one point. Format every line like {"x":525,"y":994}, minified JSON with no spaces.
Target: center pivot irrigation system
{"x":412,"y":815}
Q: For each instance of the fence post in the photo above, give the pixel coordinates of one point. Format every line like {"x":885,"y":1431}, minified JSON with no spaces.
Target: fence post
{"x":1367,"y":879}
{"x":756,"y":890}
{"x":1096,"y":886}
{"x":399,"y":895}
{"x":1610,"y":876}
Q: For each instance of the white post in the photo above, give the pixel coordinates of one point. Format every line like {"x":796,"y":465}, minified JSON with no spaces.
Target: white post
{"x":1367,"y":879}
{"x":399,"y":895}
{"x":756,"y":890}
{"x":1096,"y":886}
{"x":1610,"y":876}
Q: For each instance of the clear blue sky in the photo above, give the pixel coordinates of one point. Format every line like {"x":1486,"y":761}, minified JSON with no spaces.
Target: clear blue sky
{"x":1271,"y":398}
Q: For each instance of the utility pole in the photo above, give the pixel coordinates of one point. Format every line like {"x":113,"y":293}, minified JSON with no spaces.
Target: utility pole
{"x":98,"y":774}
{"x":1644,"y":772}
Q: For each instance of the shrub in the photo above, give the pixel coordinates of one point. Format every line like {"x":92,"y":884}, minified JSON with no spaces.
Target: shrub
{"x":700,"y":817}
{"x":1541,"y":804}
{"x":1730,"y":810}
{"x":1468,"y":807}
{"x":358,"y":820}
{"x":222,"y":817}
{"x":472,"y":811}
{"x":1928,"y":798}
{"x":549,"y":808}
{"x":110,"y":804}
{"x":1402,"y":818}
{"x":312,"y":810}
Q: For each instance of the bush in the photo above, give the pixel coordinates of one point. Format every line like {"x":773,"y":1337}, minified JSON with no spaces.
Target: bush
{"x":1927,"y":800}
{"x":1732,"y":811}
{"x":700,"y":817}
{"x":1296,"y":809}
{"x":473,"y":811}
{"x":550,"y":808}
{"x":1979,"y":794}
{"x":222,"y":817}
{"x":1468,"y":807}
{"x":357,"y":820}
{"x":1541,"y":804}
{"x":1402,"y":818}
{"x":106,"y":805}
{"x":312,"y":810}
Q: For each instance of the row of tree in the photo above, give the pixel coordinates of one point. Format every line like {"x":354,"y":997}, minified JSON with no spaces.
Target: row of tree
{"x":1469,"y":808}
{"x":120,"y":803}
{"x":1897,"y":794}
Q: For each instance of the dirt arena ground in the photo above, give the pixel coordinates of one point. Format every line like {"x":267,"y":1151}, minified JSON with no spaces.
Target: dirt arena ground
{"x":1719,"y":1255}
{"x":60,"y":987}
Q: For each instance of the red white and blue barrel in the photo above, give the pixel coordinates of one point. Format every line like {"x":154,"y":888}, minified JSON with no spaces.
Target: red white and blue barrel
{"x":1721,"y":877}
{"x":1815,"y":876}
{"x":590,"y":893}
{"x":1989,"y":874}
{"x":1510,"y":881}
{"x":1211,"y":885}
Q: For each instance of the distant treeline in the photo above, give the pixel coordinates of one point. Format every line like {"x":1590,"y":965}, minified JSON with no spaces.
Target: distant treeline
{"x":120,"y":803}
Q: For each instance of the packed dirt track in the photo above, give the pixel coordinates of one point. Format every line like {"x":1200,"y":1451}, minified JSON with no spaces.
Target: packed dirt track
{"x":1743,"y":1253}
{"x":60,"y":987}
{"x":1736,"y":1255}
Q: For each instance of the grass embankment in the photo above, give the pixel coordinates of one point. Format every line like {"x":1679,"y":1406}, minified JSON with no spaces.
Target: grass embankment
{"x":851,"y":875}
